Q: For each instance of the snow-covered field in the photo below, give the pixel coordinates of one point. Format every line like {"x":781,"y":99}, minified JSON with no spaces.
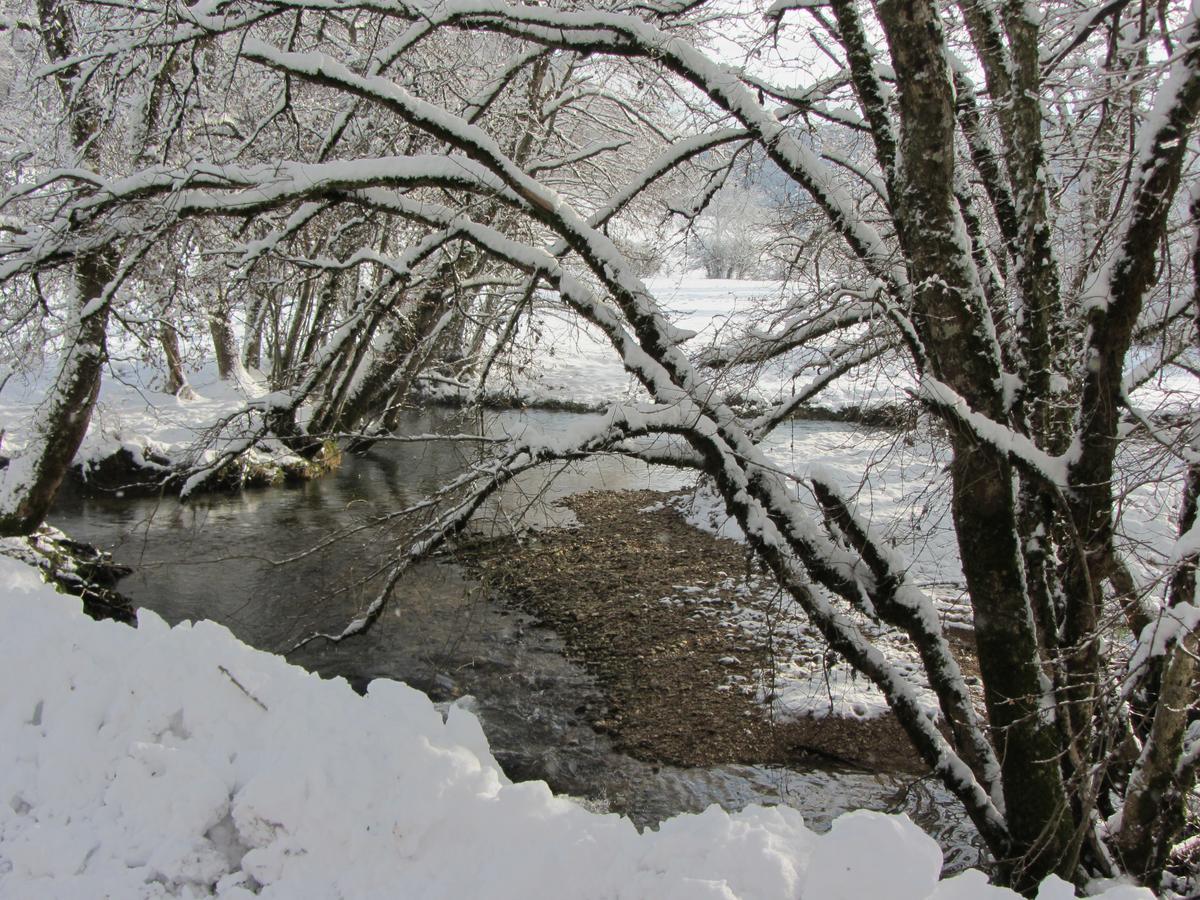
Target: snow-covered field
{"x":178,"y":762}
{"x":572,"y":361}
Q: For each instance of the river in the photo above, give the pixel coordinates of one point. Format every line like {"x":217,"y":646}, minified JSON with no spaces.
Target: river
{"x":217,"y":558}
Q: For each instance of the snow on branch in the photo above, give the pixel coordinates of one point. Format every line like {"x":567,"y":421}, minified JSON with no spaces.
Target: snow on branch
{"x":1161,"y":145}
{"x":1188,"y":545}
{"x":846,"y":638}
{"x":670,"y":159}
{"x":1087,"y":23}
{"x":489,"y":93}
{"x":895,"y":599}
{"x":1160,"y":637}
{"x":304,"y":214}
{"x":1016,"y":446}
{"x":779,"y":7}
{"x":842,"y":363}
{"x":203,"y":188}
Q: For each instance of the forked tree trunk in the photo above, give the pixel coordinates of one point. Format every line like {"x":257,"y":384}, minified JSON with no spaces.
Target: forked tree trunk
{"x":951,"y":315}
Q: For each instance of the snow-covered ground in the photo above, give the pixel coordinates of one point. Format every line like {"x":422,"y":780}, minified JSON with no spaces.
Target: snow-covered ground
{"x":178,"y":762}
{"x":572,"y":362}
{"x":159,"y":430}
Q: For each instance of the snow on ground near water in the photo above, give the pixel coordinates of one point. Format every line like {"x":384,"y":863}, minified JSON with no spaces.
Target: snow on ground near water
{"x":178,"y":762}
{"x":572,"y":361}
{"x":132,"y":413}
{"x":569,"y":360}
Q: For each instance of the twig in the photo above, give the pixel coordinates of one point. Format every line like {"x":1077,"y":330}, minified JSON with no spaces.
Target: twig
{"x":241,"y":687}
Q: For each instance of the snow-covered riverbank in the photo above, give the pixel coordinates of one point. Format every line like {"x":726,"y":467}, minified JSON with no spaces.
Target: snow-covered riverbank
{"x":556,"y":361}
{"x":178,"y":762}
{"x":141,"y":440}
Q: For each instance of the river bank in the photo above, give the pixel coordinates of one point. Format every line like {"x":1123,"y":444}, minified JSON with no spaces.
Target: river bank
{"x":219,"y":770}
{"x":659,"y":610}
{"x":216,"y":557}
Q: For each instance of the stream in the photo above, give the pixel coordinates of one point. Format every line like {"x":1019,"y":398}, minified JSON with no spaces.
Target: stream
{"x":217,"y":558}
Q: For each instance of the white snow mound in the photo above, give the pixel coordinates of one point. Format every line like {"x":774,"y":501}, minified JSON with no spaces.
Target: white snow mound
{"x":178,"y":762}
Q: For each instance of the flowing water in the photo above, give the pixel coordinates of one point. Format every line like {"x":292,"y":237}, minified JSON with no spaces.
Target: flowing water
{"x":222,"y":558}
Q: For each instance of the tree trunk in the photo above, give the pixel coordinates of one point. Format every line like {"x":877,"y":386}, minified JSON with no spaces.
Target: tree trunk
{"x":224,"y":343}
{"x":392,"y":370}
{"x":32,"y":479}
{"x":252,"y":353}
{"x":168,"y":338}
{"x":1036,"y":807}
{"x":951,"y":314}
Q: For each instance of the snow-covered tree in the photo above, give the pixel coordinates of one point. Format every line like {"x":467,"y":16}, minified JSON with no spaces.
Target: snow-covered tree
{"x":730,"y":238}
{"x":1003,"y":185}
{"x":86,"y":279}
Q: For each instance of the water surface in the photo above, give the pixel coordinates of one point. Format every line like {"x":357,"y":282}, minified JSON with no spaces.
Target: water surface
{"x":219,"y":557}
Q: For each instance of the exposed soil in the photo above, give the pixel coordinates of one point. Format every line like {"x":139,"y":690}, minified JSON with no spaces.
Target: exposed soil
{"x":681,"y":688}
{"x":76,"y":568}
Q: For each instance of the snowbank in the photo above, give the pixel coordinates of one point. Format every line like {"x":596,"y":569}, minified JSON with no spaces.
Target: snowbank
{"x":573,"y":363}
{"x":151,"y":434}
{"x":178,"y":762}
{"x":568,"y":361}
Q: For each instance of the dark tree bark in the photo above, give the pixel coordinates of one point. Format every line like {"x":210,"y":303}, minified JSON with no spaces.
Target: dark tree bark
{"x":168,"y":339}
{"x":31,"y":480}
{"x":256,"y":317}
{"x":951,"y":317}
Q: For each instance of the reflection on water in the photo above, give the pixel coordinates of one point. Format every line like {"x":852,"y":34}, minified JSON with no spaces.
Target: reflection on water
{"x":220,"y":558}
